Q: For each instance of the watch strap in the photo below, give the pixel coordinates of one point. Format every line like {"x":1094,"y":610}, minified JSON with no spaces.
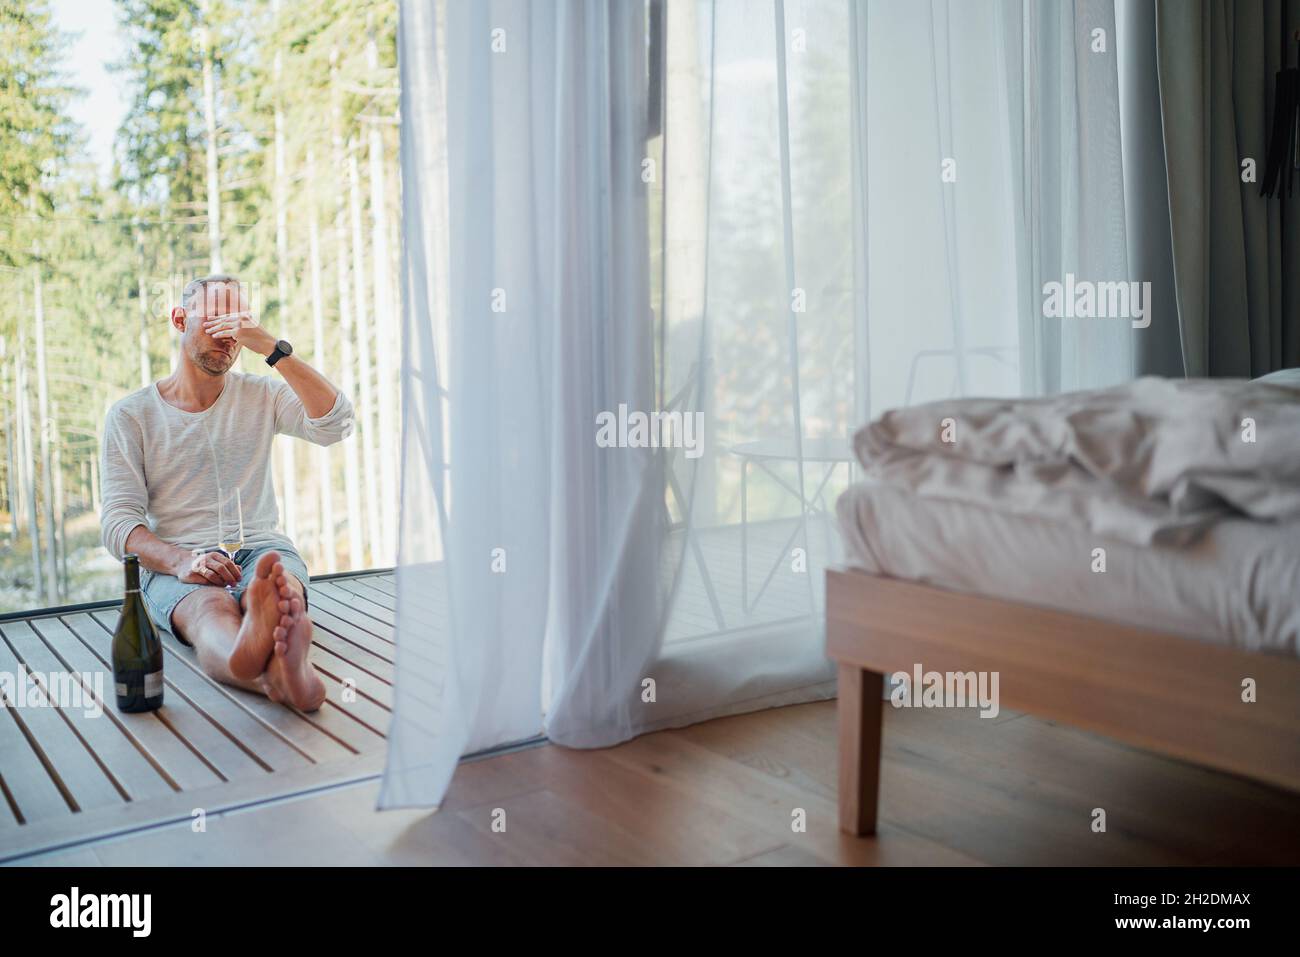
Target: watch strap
{"x":276,"y":354}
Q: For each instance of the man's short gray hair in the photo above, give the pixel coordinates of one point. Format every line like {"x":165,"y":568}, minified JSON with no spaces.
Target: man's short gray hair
{"x":195,"y":287}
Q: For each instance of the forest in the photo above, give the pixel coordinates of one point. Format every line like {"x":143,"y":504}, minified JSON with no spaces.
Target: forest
{"x":260,"y":140}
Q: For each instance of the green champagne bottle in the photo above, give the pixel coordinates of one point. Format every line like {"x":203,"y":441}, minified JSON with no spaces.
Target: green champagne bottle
{"x":137,"y":652}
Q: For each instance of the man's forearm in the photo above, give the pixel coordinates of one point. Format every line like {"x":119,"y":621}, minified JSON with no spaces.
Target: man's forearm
{"x":155,"y":554}
{"x":312,"y":388}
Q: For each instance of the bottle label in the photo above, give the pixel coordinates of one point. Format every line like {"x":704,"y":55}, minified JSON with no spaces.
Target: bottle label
{"x":122,"y":691}
{"x":153,"y":684}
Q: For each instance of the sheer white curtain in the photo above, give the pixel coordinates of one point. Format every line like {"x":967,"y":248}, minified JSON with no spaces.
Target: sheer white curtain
{"x":526,"y":271}
{"x":993,"y":166}
{"x":733,"y":213}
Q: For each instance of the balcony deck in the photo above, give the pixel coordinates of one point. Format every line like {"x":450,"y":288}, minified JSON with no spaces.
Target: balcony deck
{"x":69,"y":775}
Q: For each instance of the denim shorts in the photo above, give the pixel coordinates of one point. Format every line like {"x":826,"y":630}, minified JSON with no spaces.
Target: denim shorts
{"x":162,"y":593}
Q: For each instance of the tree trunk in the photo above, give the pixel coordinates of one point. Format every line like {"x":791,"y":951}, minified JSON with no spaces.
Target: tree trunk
{"x":364,"y":407}
{"x":60,"y":511}
{"x":17,"y":500}
{"x":289,"y":467}
{"x":29,"y":475}
{"x":178,"y":286}
{"x":351,"y":467}
{"x":323,"y":476}
{"x":10,"y":391}
{"x":210,"y":122}
{"x":142,"y":288}
{"x":385,"y":337}
{"x":685,"y":228}
{"x":94,"y":479}
{"x":97,"y":491}
{"x":44,"y":423}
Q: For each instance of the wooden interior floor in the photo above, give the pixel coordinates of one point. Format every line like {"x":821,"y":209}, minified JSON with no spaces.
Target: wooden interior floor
{"x":957,"y":790}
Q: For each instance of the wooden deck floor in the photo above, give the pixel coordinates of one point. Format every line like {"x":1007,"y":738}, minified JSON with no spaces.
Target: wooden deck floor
{"x":279,"y":787}
{"x":956,"y":790}
{"x":68,"y":774}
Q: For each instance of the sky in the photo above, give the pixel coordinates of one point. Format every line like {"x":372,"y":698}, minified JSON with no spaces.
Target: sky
{"x":96,"y":42}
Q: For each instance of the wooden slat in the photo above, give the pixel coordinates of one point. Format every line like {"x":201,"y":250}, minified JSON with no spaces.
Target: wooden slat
{"x":362,"y":629}
{"x":359,"y":658}
{"x":385,"y":583}
{"x":330,"y":620}
{"x":371,"y":720}
{"x":116,"y":750}
{"x":362,"y":710}
{"x":380,"y":692}
{"x":72,"y":761}
{"x":357,"y":603}
{"x":25,"y":777}
{"x":364,"y":589}
{"x":380,"y":647}
{"x":1170,"y":694}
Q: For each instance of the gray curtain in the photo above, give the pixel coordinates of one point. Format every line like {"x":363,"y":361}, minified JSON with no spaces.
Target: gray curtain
{"x":1158,"y":349}
{"x":1236,"y":255}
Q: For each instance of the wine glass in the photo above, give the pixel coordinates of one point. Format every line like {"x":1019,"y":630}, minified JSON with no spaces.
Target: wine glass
{"x":230,"y":523}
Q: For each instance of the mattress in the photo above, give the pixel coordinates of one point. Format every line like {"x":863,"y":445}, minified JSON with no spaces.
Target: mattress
{"x":1238,"y":585}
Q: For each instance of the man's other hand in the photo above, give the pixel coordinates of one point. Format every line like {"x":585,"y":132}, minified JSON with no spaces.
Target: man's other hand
{"x":208,"y":568}
{"x":243,"y":328}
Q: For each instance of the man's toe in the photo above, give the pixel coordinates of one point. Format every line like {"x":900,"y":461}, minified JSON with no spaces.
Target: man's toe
{"x":266,"y":564}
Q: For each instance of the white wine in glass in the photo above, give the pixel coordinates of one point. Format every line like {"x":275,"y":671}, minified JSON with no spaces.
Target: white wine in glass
{"x":230,"y":521}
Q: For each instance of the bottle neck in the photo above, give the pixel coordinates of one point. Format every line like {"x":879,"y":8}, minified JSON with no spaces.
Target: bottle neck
{"x":132,"y":567}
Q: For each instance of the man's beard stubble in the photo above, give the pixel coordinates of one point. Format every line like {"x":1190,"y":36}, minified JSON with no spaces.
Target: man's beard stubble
{"x":214,"y":362}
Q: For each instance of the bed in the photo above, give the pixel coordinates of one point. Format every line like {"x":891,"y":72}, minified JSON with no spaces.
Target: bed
{"x":1158,"y":650}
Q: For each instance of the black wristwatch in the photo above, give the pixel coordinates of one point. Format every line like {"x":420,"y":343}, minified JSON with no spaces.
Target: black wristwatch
{"x":282,"y":349}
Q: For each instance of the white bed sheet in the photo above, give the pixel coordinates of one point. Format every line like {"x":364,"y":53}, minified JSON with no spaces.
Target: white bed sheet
{"x":1238,"y":585}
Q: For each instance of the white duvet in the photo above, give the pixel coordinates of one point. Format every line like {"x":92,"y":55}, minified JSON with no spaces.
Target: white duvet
{"x":1151,"y":461}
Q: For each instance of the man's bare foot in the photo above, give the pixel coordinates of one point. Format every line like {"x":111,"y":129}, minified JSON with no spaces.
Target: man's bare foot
{"x":256,"y":639}
{"x":290,"y":674}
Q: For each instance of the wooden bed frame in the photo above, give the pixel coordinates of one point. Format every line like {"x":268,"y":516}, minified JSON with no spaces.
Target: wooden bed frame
{"x":1157,"y":691}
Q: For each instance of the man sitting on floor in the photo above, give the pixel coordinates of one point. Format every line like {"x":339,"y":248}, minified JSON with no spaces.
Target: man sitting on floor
{"x":173,"y":448}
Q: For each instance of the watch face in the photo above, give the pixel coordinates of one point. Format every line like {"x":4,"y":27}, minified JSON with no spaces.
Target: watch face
{"x":283,"y":346}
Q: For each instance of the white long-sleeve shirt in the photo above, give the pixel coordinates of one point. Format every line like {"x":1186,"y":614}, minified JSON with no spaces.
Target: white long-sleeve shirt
{"x":162,"y":467}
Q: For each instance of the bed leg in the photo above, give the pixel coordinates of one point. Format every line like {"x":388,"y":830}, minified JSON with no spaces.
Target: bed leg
{"x":860,"y":712}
